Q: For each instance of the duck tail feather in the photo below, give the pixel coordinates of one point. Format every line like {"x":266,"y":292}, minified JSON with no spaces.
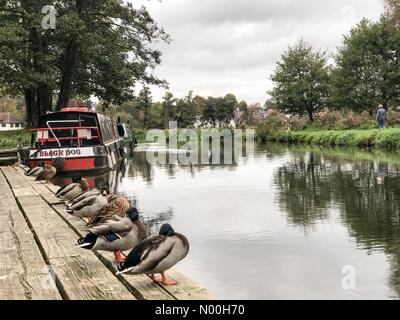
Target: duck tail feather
{"x":125,"y":271}
{"x":83,"y":245}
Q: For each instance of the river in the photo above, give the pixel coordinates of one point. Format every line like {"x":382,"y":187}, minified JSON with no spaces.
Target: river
{"x":281,"y":223}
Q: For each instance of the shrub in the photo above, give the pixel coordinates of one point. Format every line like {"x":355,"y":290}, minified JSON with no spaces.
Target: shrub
{"x":298,"y":123}
{"x":10,"y":139}
{"x":327,"y":120}
{"x":394,"y":118}
{"x":357,"y":121}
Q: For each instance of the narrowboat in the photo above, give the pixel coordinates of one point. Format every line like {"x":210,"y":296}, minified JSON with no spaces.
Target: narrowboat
{"x":125,"y":132}
{"x":76,"y":139}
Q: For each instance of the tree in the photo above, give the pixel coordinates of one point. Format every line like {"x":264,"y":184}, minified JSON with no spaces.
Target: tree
{"x":144,"y":103}
{"x":168,"y":106}
{"x":368,"y":69}
{"x":242,"y":115}
{"x":209,"y":115}
{"x":155,"y":118}
{"x":199,"y":102}
{"x":185,"y":111}
{"x":99,"y":48}
{"x":219,"y":111}
{"x":393,"y":10}
{"x":301,"y":81}
{"x":227,"y":113}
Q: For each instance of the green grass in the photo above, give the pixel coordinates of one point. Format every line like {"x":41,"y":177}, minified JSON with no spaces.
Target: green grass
{"x":388,"y":139}
{"x":10,"y":139}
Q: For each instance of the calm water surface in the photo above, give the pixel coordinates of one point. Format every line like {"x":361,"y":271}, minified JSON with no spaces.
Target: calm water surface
{"x":282,"y":223}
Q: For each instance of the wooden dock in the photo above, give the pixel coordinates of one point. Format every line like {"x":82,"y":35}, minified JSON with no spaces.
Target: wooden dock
{"x":39,"y":260}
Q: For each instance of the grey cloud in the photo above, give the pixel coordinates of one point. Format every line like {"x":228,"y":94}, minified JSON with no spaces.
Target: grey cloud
{"x":222,"y":11}
{"x":232,"y":46}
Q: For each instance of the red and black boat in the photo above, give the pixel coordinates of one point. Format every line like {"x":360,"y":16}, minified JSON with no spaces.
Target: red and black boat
{"x":76,"y":139}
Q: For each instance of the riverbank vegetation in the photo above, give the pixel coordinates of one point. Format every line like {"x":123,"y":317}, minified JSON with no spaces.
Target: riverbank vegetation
{"x":385,"y":139}
{"x":15,"y":138}
{"x":331,"y":129}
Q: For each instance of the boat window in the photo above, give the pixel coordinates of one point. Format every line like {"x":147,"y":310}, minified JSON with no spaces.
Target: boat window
{"x":107,"y":128}
{"x":88,"y":137}
{"x":121,"y":130}
{"x":59,"y":120}
{"x":64,"y":131}
{"x":87,"y":121}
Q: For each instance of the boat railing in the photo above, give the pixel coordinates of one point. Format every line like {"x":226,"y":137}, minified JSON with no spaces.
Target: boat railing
{"x":78,"y":134}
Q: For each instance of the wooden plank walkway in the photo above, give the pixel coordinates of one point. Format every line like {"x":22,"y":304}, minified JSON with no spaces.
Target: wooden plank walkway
{"x":24,"y":274}
{"x":49,"y":235}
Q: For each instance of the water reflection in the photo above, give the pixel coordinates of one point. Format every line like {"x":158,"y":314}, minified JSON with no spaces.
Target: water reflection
{"x":304,"y":189}
{"x":285,"y":220}
{"x":367,"y":193}
{"x":108,"y":180}
{"x":144,"y":167}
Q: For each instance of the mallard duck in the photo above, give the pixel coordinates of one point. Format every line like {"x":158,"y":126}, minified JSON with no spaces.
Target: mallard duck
{"x":35,"y":171}
{"x":116,"y":235}
{"x":156,"y":254}
{"x":78,"y":186}
{"x":117,"y":206}
{"x":88,"y":206}
{"x":47,"y":173}
{"x":92,"y":192}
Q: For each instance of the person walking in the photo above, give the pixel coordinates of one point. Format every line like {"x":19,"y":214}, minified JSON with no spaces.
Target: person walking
{"x":381,"y":117}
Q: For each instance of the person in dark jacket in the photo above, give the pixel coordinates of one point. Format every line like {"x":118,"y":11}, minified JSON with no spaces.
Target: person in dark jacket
{"x":381,"y":117}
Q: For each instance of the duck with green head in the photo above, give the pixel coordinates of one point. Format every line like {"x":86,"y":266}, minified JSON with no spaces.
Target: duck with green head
{"x":115,"y":235}
{"x":70,"y":191}
{"x":156,"y":254}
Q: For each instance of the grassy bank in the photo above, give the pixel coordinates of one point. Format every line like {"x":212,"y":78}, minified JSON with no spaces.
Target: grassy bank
{"x":388,"y":139}
{"x":10,"y":139}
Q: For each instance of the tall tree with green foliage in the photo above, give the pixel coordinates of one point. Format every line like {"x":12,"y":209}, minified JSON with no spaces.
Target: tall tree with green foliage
{"x":144,"y":102}
{"x":168,"y":107}
{"x":368,"y":68}
{"x":209,"y":115}
{"x":227,"y":113}
{"x":199,"y":102}
{"x":301,"y":81}
{"x":185,"y":111}
{"x":219,"y":111}
{"x":98,"y":47}
{"x":244,"y":113}
{"x":155,"y":116}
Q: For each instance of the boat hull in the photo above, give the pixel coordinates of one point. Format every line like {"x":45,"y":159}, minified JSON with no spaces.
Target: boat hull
{"x":100,"y":158}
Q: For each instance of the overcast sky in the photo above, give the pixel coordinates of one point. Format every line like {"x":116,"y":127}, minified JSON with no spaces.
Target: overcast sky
{"x":231,"y":46}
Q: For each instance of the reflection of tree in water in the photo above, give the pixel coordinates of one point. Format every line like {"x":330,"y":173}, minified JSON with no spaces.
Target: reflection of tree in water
{"x":154,"y":221}
{"x":141,"y":168}
{"x":366,"y":193}
{"x":369,"y":209}
{"x":304,"y":190}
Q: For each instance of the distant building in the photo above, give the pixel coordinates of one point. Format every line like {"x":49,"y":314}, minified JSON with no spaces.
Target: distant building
{"x":9,"y":122}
